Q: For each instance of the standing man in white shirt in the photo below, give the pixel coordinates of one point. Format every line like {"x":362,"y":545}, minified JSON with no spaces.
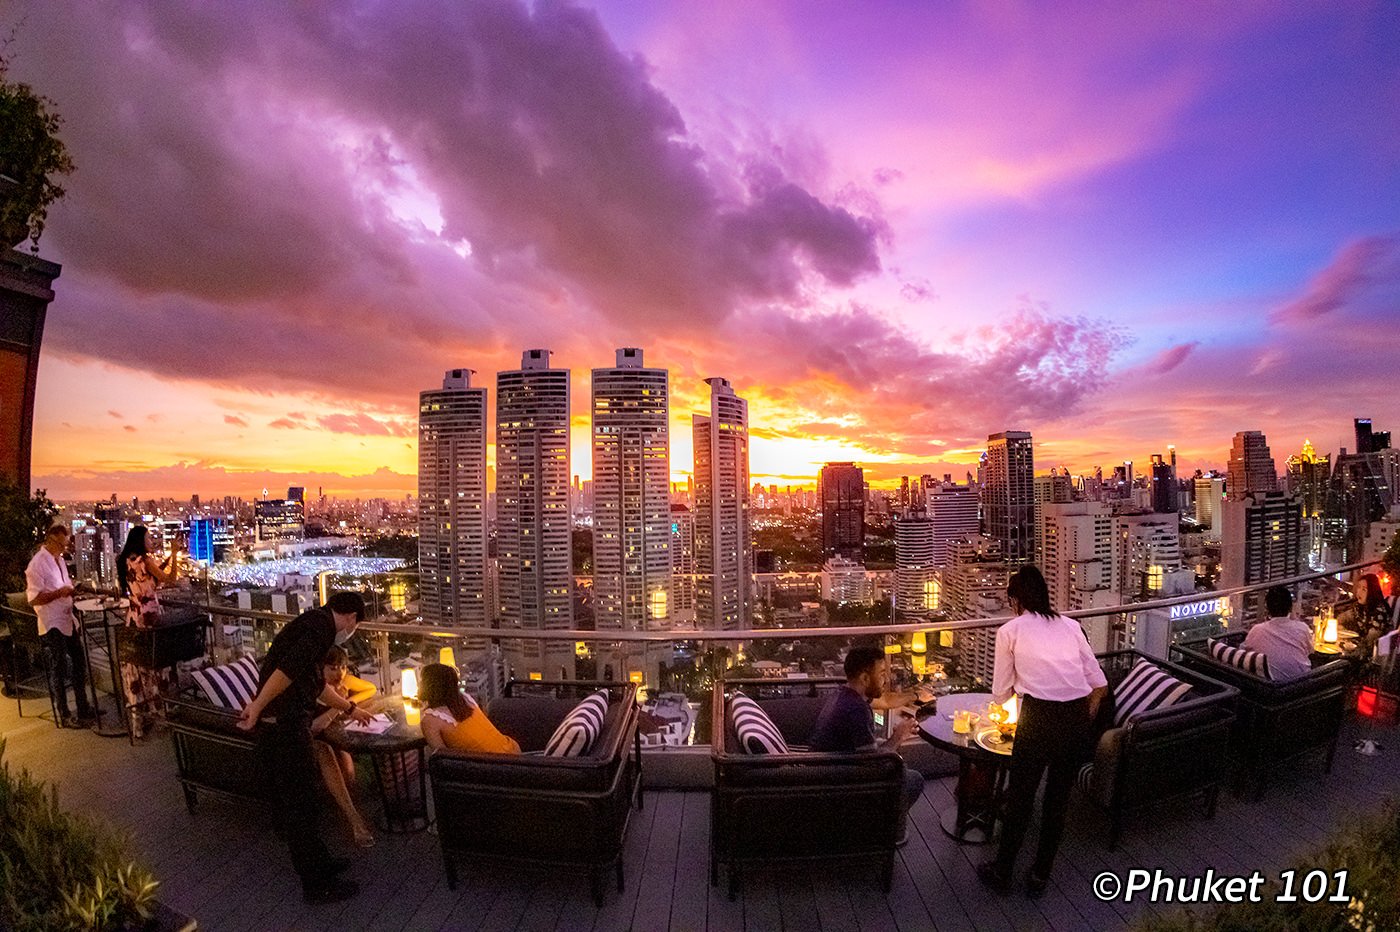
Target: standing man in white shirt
{"x":1046,"y":658}
{"x":49,"y":590}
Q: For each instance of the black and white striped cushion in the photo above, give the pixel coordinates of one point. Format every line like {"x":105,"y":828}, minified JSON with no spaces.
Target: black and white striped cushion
{"x":1085,"y":778}
{"x":1146,"y":687}
{"x":580,"y":728}
{"x":231,"y":686}
{"x":1250,"y":661}
{"x":756,"y":731}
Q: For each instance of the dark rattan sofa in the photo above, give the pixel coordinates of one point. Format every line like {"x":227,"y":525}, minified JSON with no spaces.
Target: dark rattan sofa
{"x":801,"y":805}
{"x":1174,"y":752}
{"x":1278,"y":721}
{"x":537,"y":810}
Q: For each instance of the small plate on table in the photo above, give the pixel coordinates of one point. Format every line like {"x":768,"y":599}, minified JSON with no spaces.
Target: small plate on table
{"x":989,"y":739}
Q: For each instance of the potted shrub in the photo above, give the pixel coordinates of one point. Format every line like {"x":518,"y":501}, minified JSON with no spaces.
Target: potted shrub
{"x":32,"y":159}
{"x":60,"y":871}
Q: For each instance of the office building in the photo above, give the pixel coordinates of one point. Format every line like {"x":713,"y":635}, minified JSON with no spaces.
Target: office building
{"x":1309,"y":478}
{"x":279,"y":519}
{"x":953,"y":511}
{"x":1251,"y":467}
{"x":1368,"y":439}
{"x":841,"y":492}
{"x":1008,"y":495}
{"x":1164,"y":489}
{"x":845,"y":581}
{"x":723,"y":543}
{"x":1362,"y":495}
{"x":534,"y":546}
{"x":1210,"y":492}
{"x":631,"y":495}
{"x":452,"y":558}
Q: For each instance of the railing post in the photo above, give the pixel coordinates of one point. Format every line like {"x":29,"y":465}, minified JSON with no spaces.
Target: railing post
{"x":381,"y":659}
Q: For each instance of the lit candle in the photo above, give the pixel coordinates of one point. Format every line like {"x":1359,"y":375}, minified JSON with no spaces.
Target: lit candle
{"x":919,"y":642}
{"x":411,"y":715}
{"x":408,"y":683}
{"x":1012,"y":706}
{"x":446,"y":657}
{"x":1329,"y":629}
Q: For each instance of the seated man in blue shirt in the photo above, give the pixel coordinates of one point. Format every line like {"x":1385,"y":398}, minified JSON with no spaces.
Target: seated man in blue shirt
{"x":847,"y":721}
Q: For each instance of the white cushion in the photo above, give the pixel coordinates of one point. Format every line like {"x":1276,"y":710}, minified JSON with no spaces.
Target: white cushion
{"x":1146,"y":687}
{"x":231,"y":686}
{"x":580,"y":728}
{"x":756,"y":731}
{"x":1250,"y":661}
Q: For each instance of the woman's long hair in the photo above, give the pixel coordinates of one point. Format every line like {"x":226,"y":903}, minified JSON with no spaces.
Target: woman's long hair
{"x":1376,"y":608}
{"x":1028,"y":588}
{"x":438,"y":689}
{"x":136,"y":546}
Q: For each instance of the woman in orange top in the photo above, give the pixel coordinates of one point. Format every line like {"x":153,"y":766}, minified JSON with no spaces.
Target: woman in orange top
{"x":453,"y":721}
{"x":338,"y":767}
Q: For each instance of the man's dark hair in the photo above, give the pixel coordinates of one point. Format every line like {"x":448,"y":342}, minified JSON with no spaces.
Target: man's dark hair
{"x":1028,"y":587}
{"x":1279,"y":601}
{"x":56,"y":530}
{"x":347,"y":603}
{"x":862,"y":658}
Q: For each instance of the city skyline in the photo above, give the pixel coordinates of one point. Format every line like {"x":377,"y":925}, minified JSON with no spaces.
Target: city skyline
{"x":1008,"y":224}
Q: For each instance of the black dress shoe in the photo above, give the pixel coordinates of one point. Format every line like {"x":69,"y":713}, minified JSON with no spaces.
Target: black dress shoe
{"x":993,"y":877}
{"x":334,"y":890}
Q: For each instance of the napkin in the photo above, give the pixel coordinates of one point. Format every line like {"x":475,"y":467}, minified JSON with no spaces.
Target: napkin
{"x":375,"y":726}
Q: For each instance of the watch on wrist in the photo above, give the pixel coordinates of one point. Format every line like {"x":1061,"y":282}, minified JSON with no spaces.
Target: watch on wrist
{"x":353,"y":706}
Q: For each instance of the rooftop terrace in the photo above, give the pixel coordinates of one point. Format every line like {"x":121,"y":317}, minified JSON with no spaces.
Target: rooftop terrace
{"x":224,"y":866}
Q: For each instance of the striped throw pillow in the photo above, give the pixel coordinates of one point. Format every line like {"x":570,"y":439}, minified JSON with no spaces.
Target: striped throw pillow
{"x":1146,"y":687}
{"x":1250,"y":661}
{"x":580,"y":728}
{"x":231,"y":686}
{"x":756,"y":731}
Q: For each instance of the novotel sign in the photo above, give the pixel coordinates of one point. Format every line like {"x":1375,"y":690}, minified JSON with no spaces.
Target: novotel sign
{"x":1199,"y":609}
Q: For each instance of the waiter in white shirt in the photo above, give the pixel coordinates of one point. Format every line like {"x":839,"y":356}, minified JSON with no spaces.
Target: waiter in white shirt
{"x":1045,"y":658}
{"x":49,"y":590}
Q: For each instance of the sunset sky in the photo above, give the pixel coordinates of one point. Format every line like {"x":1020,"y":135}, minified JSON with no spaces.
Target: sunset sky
{"x":895,"y":228}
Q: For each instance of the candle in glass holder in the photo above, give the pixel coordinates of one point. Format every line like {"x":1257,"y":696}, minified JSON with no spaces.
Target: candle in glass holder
{"x":408,"y":683}
{"x":411,"y":715}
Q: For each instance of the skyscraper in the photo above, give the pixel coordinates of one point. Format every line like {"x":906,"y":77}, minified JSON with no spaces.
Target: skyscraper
{"x":841,"y":491}
{"x":452,"y":502}
{"x":1263,"y":539}
{"x":1164,"y":491}
{"x":682,"y":565}
{"x":953,"y":511}
{"x":1251,"y":467}
{"x":1054,"y":488}
{"x":1210,"y":492}
{"x":1309,"y":477}
{"x":915,"y":576}
{"x":631,"y":495}
{"x":723,"y":551}
{"x":533,"y":527}
{"x":1008,"y":495}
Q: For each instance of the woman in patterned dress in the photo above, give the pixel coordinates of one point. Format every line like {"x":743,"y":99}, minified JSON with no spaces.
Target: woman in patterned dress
{"x":139,"y":573}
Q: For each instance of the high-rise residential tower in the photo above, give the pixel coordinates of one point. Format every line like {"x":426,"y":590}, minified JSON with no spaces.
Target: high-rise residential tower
{"x":1264,"y":539}
{"x":1251,"y":467}
{"x":682,"y":565}
{"x":1164,"y":488}
{"x":916,"y":585}
{"x":841,"y":492}
{"x":723,"y":551}
{"x":452,"y":502}
{"x":533,"y":527}
{"x":631,"y":495}
{"x":1008,"y":495}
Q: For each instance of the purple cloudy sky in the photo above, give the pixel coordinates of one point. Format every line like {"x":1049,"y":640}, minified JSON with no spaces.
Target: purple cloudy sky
{"x":895,"y":227}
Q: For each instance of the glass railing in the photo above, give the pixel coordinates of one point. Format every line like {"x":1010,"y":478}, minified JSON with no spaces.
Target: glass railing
{"x":677,"y":667}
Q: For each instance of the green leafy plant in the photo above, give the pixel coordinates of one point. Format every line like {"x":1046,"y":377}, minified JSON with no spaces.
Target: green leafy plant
{"x":1369,"y":851}
{"x":60,"y":871}
{"x":32,"y":159}
{"x":23,"y":521}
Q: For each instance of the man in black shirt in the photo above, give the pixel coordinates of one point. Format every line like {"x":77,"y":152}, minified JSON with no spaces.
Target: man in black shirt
{"x":291,"y":684}
{"x":847,"y":721}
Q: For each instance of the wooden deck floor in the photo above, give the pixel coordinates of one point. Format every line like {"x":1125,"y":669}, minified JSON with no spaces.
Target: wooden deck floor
{"x":224,"y":867}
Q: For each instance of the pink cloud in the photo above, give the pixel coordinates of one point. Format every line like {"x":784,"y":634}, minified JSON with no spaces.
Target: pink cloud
{"x":234,"y":421}
{"x":365,"y":425}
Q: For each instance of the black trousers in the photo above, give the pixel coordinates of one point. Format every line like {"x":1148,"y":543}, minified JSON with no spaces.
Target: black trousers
{"x":65,"y":652}
{"x":1050,"y":737}
{"x":289,"y":766}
